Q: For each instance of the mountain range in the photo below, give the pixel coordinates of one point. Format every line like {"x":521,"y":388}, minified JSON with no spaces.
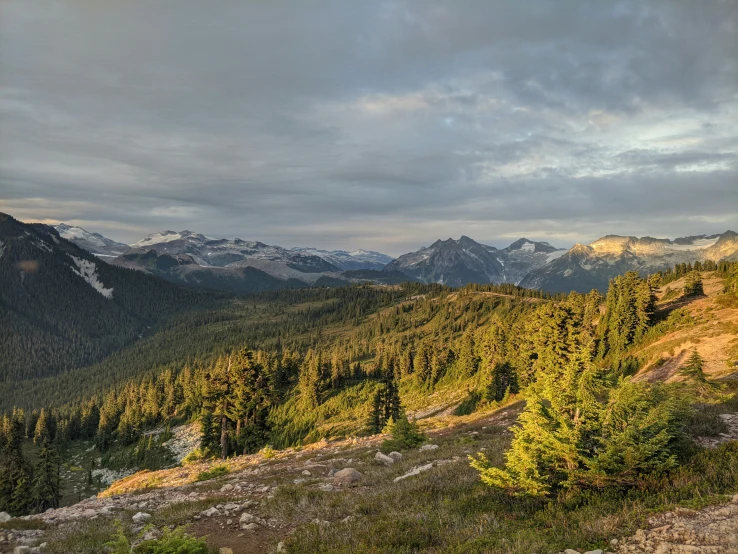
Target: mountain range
{"x":238,"y":265}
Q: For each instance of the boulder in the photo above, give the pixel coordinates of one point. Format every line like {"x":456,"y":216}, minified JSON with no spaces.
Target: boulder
{"x":347,"y":477}
{"x":5,"y":517}
{"x":141,"y":517}
{"x":247,"y":519}
{"x":395,"y":456}
{"x":384,"y":459}
{"x":427,"y":447}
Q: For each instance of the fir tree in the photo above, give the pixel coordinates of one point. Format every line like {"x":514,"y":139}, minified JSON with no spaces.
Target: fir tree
{"x":46,"y":489}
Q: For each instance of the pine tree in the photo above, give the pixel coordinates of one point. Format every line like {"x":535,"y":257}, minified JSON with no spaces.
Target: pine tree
{"x":16,"y":474}
{"x":46,"y":489}
{"x":693,"y":284}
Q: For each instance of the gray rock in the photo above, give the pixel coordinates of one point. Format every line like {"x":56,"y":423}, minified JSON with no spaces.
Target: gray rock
{"x":598,"y":551}
{"x":395,"y":456}
{"x":210,"y":512}
{"x":141,"y":517}
{"x":347,"y":477}
{"x":281,"y":547}
{"x":384,"y":459}
{"x":247,"y":519}
{"x":306,"y":472}
{"x":250,"y":527}
{"x":5,"y":517}
{"x":151,"y":535}
{"x":427,"y":447}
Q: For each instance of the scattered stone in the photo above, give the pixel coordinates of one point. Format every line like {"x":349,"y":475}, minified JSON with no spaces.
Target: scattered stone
{"x":230,"y":507}
{"x":306,"y":472}
{"x":427,"y":447}
{"x":210,"y":512}
{"x":250,"y":527}
{"x":141,"y":517}
{"x":347,"y":477}
{"x":227,"y":487}
{"x":395,"y":456}
{"x":384,"y":459}
{"x":416,"y":471}
{"x":151,"y":535}
{"x":246,"y":520}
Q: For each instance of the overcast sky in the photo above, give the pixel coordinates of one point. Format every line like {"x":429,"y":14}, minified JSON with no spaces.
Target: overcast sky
{"x":380,"y":125}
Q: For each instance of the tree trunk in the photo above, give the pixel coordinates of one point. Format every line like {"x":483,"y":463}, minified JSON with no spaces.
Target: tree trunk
{"x":223,"y":437}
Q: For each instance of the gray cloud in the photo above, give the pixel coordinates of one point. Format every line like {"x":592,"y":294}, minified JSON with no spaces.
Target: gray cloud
{"x":380,"y":125}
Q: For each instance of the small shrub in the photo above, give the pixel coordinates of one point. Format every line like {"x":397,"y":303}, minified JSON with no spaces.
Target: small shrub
{"x":173,"y":542}
{"x":405,"y":434}
{"x":193,"y":457}
{"x":267,"y":452}
{"x":212,"y":473}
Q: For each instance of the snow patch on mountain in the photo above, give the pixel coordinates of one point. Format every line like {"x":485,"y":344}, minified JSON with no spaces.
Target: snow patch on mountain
{"x":88,"y":271}
{"x":554,"y":255}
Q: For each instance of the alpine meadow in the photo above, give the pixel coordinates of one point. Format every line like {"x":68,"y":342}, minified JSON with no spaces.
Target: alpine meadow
{"x":343,"y":379}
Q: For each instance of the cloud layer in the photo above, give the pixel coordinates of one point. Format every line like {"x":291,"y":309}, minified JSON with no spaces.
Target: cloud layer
{"x":380,"y":125}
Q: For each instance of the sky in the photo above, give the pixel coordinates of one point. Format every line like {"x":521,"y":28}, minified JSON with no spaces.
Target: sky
{"x":382,"y":125}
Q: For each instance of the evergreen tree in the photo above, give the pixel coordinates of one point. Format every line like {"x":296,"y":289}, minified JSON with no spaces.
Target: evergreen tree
{"x":693,"y":284}
{"x":16,"y":474}
{"x":46,"y":489}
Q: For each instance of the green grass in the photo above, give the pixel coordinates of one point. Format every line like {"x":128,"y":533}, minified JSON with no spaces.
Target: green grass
{"x":212,"y":473}
{"x":449,"y":510}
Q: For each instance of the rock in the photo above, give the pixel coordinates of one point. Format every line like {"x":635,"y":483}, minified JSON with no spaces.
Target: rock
{"x":321,"y":522}
{"x":427,"y":447}
{"x":416,"y":471}
{"x":210,"y":512}
{"x":246,"y":519}
{"x":384,"y":459}
{"x":22,"y":550}
{"x":571,"y":551}
{"x":225,"y":550}
{"x":250,"y":527}
{"x":227,"y":487}
{"x":152,"y":535}
{"x":326,"y":487}
{"x":229,"y":521}
{"x":5,"y":517}
{"x":281,"y":547}
{"x":230,"y":507}
{"x":598,"y":551}
{"x":306,"y":472}
{"x":332,"y":471}
{"x":141,"y":517}
{"x":395,"y":456}
{"x":347,"y":477}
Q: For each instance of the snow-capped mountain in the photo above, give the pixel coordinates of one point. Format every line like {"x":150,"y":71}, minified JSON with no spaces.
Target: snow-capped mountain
{"x":237,"y":265}
{"x":356,"y":260}
{"x":585,"y":267}
{"x":459,"y":262}
{"x":524,"y":256}
{"x":92,"y":242}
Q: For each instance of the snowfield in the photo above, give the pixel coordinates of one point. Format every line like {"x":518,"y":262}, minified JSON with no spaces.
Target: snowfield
{"x":88,"y":271}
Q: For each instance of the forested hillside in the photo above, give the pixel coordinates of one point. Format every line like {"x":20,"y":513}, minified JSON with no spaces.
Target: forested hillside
{"x":61,"y":308}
